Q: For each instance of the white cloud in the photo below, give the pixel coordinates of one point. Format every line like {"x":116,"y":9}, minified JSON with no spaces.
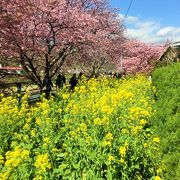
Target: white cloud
{"x":132,"y":19}
{"x":170,"y":30}
{"x":150,"y":31}
{"x":129,"y":19}
{"x":165,"y":31}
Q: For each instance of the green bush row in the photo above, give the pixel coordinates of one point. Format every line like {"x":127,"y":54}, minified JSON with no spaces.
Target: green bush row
{"x":167,"y":83}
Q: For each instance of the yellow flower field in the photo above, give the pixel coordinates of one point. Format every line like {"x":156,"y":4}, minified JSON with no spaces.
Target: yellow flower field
{"x":102,"y":130}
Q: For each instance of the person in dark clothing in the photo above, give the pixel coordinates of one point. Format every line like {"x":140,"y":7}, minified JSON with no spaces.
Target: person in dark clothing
{"x":60,"y":81}
{"x":80,"y":75}
{"x":110,"y":74}
{"x":119,"y":76}
{"x":115,"y":75}
{"x":64,"y":79}
{"x":124,"y":73}
{"x":48,"y":84}
{"x":73,"y":82}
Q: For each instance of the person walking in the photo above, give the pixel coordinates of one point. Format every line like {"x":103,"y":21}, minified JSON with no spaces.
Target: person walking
{"x":73,"y":82}
{"x":80,"y":76}
{"x":60,"y":81}
{"x":48,"y":84}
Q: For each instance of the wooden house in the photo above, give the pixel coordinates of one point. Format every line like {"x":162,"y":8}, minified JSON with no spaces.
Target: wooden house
{"x":171,"y":54}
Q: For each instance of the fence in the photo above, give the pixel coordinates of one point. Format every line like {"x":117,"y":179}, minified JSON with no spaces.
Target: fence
{"x":17,"y":89}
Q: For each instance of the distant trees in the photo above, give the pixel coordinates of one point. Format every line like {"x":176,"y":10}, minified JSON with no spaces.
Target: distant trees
{"x":139,"y":57}
{"x":43,"y":34}
{"x":130,"y":55}
{"x":96,"y":60}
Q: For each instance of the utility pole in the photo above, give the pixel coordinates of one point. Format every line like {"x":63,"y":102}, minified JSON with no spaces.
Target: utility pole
{"x":121,"y":63}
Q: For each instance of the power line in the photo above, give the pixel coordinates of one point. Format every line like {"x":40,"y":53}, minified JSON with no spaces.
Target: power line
{"x":128,"y":9}
{"x":121,"y":57}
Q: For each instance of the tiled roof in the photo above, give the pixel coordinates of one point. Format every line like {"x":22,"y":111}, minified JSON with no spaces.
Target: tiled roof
{"x":11,"y":68}
{"x":175,"y":44}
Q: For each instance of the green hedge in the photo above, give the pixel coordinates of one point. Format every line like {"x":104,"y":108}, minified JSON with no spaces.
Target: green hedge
{"x":167,"y":83}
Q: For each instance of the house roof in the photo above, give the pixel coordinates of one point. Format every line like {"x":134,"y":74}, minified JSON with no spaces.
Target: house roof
{"x":11,"y":68}
{"x":175,"y":45}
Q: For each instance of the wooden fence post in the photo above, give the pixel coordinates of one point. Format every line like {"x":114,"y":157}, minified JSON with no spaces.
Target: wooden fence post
{"x":19,"y":89}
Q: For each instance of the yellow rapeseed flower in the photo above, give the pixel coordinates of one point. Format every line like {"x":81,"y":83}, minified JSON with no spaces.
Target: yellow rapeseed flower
{"x":110,"y":158}
{"x":83,"y":127}
{"x":156,"y":140}
{"x":97,"y":121}
{"x":38,"y":121}
{"x":33,"y":132}
{"x":88,"y":139}
{"x":42,"y":163}
{"x":122,"y":160}
{"x":54,"y":150}
{"x":136,"y":129}
{"x":105,"y":120}
{"x":82,"y":89}
{"x":73,"y":134}
{"x":48,"y":120}
{"x":142,"y":122}
{"x":4,"y":175}
{"x":65,"y":96}
{"x":45,"y":112}
{"x":16,"y":157}
{"x":157,"y":178}
{"x":28,"y":120}
{"x":159,"y":171}
{"x":46,"y":140}
{"x":124,"y":131}
{"x":145,"y":145}
{"x":26,"y":126}
{"x":38,"y":178}
{"x":106,"y":143}
{"x":109,"y":136}
{"x":60,"y":110}
{"x":122,"y":151}
{"x":1,"y":159}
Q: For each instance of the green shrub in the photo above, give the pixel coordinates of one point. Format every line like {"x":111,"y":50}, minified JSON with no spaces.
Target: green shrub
{"x":166,"y":120}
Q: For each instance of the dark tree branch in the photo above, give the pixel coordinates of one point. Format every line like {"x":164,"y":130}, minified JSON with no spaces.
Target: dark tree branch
{"x":60,"y":54}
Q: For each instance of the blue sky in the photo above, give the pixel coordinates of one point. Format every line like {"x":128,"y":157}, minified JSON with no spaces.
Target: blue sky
{"x":151,"y":20}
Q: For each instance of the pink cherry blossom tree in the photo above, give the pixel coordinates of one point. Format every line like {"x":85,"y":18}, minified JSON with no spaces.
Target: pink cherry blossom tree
{"x":97,"y":59}
{"x":42,"y":34}
{"x":140,"y":57}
